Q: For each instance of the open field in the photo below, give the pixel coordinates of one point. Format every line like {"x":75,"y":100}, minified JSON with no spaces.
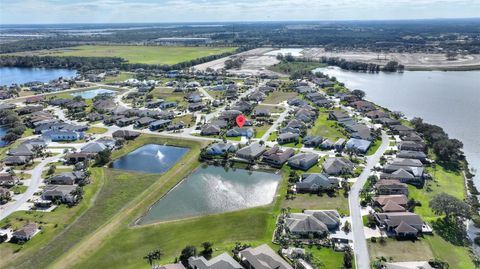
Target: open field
{"x":326,"y":128}
{"x":169,"y":95}
{"x":418,"y":250}
{"x":137,"y":54}
{"x":277,"y":97}
{"x":313,"y":201}
{"x":412,"y":61}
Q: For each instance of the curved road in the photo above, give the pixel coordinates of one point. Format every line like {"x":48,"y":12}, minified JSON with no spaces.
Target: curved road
{"x":362,"y":259}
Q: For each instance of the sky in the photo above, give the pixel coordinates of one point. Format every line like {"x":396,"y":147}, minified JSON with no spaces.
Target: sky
{"x":123,"y":11}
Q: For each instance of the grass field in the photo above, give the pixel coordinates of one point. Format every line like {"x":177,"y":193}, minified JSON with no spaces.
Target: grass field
{"x":401,"y":250}
{"x":96,"y":130}
{"x":277,"y":97}
{"x":169,"y":95}
{"x":313,"y":201}
{"x":326,"y":128}
{"x":292,"y":67}
{"x":140,"y":54}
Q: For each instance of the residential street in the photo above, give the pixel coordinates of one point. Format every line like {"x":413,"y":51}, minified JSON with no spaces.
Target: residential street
{"x":360,"y":244}
{"x":32,"y":188}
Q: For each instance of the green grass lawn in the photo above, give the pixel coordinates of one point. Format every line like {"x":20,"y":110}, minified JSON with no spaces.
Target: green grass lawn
{"x":139,"y":54}
{"x":261,"y":130}
{"x":444,"y":181}
{"x":292,"y":67}
{"x":188,"y":119}
{"x":122,"y":76}
{"x":418,"y":250}
{"x":314,"y":201}
{"x":277,"y":97}
{"x":326,"y":128}
{"x":96,"y":130}
{"x":17,"y":189}
{"x":329,"y":257}
{"x":374,"y":146}
{"x":272,"y":109}
{"x":169,"y":95}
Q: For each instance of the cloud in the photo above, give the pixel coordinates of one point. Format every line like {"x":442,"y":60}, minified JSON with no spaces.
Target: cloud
{"x":109,"y":11}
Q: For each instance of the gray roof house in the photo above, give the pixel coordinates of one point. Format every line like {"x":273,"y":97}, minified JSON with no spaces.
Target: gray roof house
{"x":303,"y":161}
{"x":315,"y":182}
{"x":287,"y":137}
{"x":60,"y":192}
{"x":313,"y":221}
{"x":400,"y":223}
{"x":337,"y":166}
{"x":262,"y":257}
{"x":210,"y":129}
{"x":222,"y":261}
{"x":67,"y":178}
{"x":26,"y":232}
{"x":220,"y":148}
{"x":359,"y":145}
{"x":312,"y":141}
{"x":251,"y":152}
{"x":93,"y":147}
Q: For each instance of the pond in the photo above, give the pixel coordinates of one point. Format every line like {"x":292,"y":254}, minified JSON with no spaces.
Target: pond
{"x":21,"y":75}
{"x":212,"y":189}
{"x":150,"y":158}
{"x":3,"y":132}
{"x":92,"y":93}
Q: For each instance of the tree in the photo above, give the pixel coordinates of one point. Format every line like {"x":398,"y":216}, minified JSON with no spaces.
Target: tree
{"x":103,"y":157}
{"x":207,"y":250}
{"x":51,"y":170}
{"x":450,"y":206}
{"x":358,"y":93}
{"x":346,"y":227}
{"x":153,"y":255}
{"x":348,"y":259}
{"x":187,"y":252}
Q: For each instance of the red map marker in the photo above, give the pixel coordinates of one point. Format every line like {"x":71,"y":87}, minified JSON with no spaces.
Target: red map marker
{"x":240,"y":120}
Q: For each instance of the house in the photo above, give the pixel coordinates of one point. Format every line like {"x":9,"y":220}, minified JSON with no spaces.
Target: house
{"x":220,"y":148}
{"x":62,"y":135}
{"x":411,"y":146}
{"x":34,"y":99}
{"x":303,"y":161}
{"x":222,"y":261}
{"x":262,"y":257}
{"x":7,"y":180}
{"x":256,"y":96}
{"x":22,"y":150}
{"x":409,"y":154}
{"x":296,"y":102}
{"x":167,"y":104}
{"x":312,"y":183}
{"x":262,"y":112}
{"x":360,"y":131}
{"x":276,"y":157}
{"x":237,"y":131}
{"x":196,"y":107}
{"x":93,"y":148}
{"x":376,"y":114}
{"x":5,"y":196}
{"x":287,"y":137}
{"x":312,"y":141}
{"x":313,"y":221}
{"x":337,"y":115}
{"x":400,"y":223}
{"x":154,"y":104}
{"x":337,"y":166}
{"x":107,"y":142}
{"x":67,"y":178}
{"x":193,"y":98}
{"x":401,"y":129}
{"x":296,"y":124}
{"x":358,"y":145}
{"x":78,"y":157}
{"x":159,"y":124}
{"x":399,"y":199}
{"x":327,"y":144}
{"x":251,"y":152}
{"x":229,"y":115}
{"x":15,"y":160}
{"x":210,"y":129}
{"x":338,"y":146}
{"x":61,"y":193}
{"x":25,"y":233}
{"x":391,"y":186}
{"x":363,"y":106}
{"x":126,"y":121}
{"x":392,"y":206}
{"x":243,"y":106}
{"x":125,"y":134}
{"x":144,"y":121}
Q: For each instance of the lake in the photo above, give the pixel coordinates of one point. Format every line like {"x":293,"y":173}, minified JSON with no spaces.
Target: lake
{"x":3,"y":132}
{"x":21,"y":75}
{"x":448,"y":99}
{"x":150,"y":158}
{"x":212,"y":189}
{"x":92,"y":93}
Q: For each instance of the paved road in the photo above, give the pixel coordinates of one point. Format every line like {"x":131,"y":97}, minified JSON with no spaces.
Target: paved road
{"x":362,"y":259}
{"x":32,"y":188}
